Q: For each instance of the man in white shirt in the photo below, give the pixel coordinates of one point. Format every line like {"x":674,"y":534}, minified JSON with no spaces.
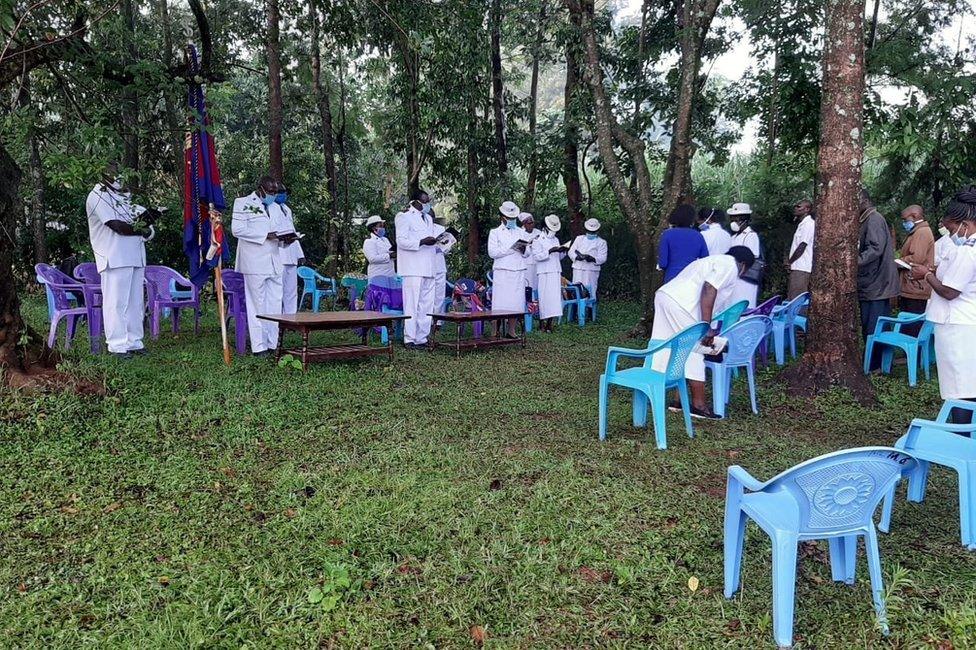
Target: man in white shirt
{"x":378,"y":250}
{"x":416,"y":238}
{"x":692,"y":297}
{"x":118,"y":230}
{"x":710,"y":222}
{"x":509,"y":251}
{"x":259,"y":261}
{"x":588,"y":253}
{"x":292,"y":255}
{"x":801,"y":250}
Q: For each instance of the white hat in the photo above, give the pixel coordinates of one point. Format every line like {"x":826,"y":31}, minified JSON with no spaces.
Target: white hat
{"x":553,"y":223}
{"x":374,"y":220}
{"x":526,"y":216}
{"x":739,"y":208}
{"x":509,"y":209}
{"x":591,"y":225}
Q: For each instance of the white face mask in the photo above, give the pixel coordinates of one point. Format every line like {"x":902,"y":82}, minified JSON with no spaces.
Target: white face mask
{"x":734,"y":226}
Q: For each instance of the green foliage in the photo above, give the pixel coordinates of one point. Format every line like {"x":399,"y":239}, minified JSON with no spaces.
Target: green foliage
{"x":288,"y":361}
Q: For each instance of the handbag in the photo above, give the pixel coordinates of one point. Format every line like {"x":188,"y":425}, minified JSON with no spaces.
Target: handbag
{"x":754,"y":274}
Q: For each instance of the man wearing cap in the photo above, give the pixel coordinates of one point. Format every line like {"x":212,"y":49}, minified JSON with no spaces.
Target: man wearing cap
{"x":740,"y":217}
{"x":416,"y":237}
{"x":588,"y":253}
{"x":509,"y":250}
{"x":547,"y":253}
{"x":801,"y":250}
{"x":377,"y":249}
{"x":529,"y":233}
{"x":292,"y":255}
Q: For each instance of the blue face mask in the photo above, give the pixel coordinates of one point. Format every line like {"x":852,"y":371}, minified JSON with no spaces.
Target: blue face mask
{"x":426,"y":208}
{"x":381,"y":232}
{"x":908,"y":225}
{"x":958,"y":239}
{"x":268,"y":199}
{"x":591,"y":235}
{"x":281,"y":197}
{"x":511,"y":224}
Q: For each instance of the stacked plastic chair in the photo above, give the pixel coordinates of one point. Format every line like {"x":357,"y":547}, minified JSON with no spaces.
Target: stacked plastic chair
{"x":63,"y":291}
{"x":785,"y":325}
{"x":233,"y":283}
{"x":159,"y":283}
{"x":889,"y":336}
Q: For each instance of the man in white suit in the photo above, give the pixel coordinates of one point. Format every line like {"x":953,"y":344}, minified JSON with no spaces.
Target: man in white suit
{"x":416,"y":240}
{"x":292,"y":255}
{"x":259,"y":261}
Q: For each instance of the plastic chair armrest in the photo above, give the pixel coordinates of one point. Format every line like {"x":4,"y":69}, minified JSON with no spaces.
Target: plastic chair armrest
{"x":950,"y":404}
{"x":918,"y":425}
{"x":745,"y":479}
{"x":614,"y":353}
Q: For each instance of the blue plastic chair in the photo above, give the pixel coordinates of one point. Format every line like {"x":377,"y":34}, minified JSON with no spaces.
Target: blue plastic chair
{"x":888,"y":333}
{"x":744,"y":339}
{"x":949,"y":445}
{"x":448,"y":296}
{"x":649,"y":384}
{"x":310,"y":287}
{"x":731,"y":315}
{"x":571,"y":300}
{"x":584,"y":305}
{"x":785,"y":324}
{"x":830,"y":497}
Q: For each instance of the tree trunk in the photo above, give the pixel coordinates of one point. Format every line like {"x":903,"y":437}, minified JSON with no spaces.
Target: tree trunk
{"x":173,"y":125}
{"x":571,"y":179}
{"x":498,"y":95}
{"x":36,"y":169}
{"x":11,"y":323}
{"x":832,"y":357}
{"x":772,"y":123}
{"x":412,"y":108}
{"x":320,"y":90}
{"x":130,"y":99}
{"x":344,"y":158}
{"x":474,"y":234}
{"x":275,"y":108}
{"x":530,"y":183}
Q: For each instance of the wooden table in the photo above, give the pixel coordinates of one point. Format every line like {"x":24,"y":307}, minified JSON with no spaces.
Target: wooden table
{"x":471,"y":317}
{"x":308,"y":322}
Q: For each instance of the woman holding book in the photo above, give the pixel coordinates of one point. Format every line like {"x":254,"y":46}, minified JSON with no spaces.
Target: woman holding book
{"x":547,"y":253}
{"x":509,"y":250}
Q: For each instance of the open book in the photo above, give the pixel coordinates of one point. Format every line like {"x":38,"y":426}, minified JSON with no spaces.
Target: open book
{"x":903,"y":264}
{"x":718,"y":345}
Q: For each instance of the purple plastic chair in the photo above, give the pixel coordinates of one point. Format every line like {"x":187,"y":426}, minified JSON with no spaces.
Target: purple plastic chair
{"x":233,"y":283}
{"x":764,"y":309}
{"x":87,"y":273}
{"x":385,"y":294}
{"x":91,"y":280}
{"x":158,"y":282}
{"x":61,"y":287}
{"x":466,"y":296}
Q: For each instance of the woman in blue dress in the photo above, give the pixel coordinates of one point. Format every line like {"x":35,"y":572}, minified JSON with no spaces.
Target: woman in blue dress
{"x":681,"y":244}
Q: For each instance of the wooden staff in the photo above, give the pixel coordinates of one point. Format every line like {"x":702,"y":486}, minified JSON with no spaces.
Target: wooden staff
{"x":218,"y":280}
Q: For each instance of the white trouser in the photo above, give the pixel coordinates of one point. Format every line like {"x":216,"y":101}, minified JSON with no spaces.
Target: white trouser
{"x":289,"y":289}
{"x":531,"y":277}
{"x":418,"y":301}
{"x":123,"y":307}
{"x":669,"y":319}
{"x":508,"y":290}
{"x":587,"y":279}
{"x":440,"y":288}
{"x":955,"y":359}
{"x":262,"y":294}
{"x":550,"y":295}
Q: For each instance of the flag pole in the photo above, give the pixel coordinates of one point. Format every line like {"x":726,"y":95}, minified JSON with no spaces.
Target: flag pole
{"x":219,"y":282}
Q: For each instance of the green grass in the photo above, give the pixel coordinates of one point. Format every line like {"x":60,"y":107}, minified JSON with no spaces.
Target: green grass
{"x":361,"y":505}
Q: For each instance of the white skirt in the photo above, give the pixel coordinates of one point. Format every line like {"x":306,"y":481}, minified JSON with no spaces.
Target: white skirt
{"x":589,"y":279}
{"x":550,"y":295}
{"x":955,"y":359}
{"x":669,"y":319}
{"x":508,"y":291}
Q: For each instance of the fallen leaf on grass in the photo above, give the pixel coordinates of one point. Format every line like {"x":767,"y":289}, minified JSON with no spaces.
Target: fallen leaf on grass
{"x":290,"y":512}
{"x":478,"y":635}
{"x":112,"y":507}
{"x":228,"y":472}
{"x":164,"y":580}
{"x":22,"y":587}
{"x":592,"y":575}
{"x":496,"y":484}
{"x":336,"y":542}
{"x":408,"y":569}
{"x":693,"y":584}
{"x":69,"y":510}
{"x":733,"y":626}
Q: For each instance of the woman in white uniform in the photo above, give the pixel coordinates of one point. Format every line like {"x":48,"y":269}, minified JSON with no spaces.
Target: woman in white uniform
{"x":588,"y":253}
{"x":547,"y":253}
{"x":508,"y":269}
{"x":378,"y":250}
{"x":952,"y":307}
{"x":740,"y":216}
{"x":529,"y":233}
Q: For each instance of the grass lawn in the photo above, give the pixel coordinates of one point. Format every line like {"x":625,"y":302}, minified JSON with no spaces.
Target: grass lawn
{"x":435,"y":503}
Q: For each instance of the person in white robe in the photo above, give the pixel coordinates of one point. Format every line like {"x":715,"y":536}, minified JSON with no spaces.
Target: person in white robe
{"x":509,"y":250}
{"x":378,"y":250}
{"x":118,"y":230}
{"x":529,"y":233}
{"x":548,"y":254}
{"x":952,"y":305}
{"x":710,"y":223}
{"x":259,"y":261}
{"x":292,"y":255}
{"x":588,"y":253}
{"x":693,"y":296}
{"x":740,"y":218}
{"x":416,"y":239}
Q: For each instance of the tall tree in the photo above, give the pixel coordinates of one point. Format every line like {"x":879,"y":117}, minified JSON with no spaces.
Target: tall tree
{"x":275,"y":108}
{"x":498,"y":94}
{"x":530,"y":183}
{"x":130,"y":97}
{"x":320,"y":89}
{"x":571,"y":178}
{"x":832,"y":355}
{"x":36,"y":173}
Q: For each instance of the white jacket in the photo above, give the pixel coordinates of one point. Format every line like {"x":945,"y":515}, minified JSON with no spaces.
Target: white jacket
{"x":112,"y":250}
{"x":546,"y":262}
{"x":251,"y":223}
{"x":377,"y":252}
{"x":530,"y":236}
{"x":414,"y":260}
{"x":500,"y":241}
{"x":283,"y":222}
{"x":595,"y":247}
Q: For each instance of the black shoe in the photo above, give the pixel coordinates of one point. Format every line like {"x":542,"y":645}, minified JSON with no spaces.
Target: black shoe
{"x":704,"y":414}
{"x":263,"y":353}
{"x":140,"y":352}
{"x":121,"y":355}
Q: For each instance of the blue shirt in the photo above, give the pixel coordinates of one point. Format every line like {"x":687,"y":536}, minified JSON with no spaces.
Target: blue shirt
{"x":679,"y":248}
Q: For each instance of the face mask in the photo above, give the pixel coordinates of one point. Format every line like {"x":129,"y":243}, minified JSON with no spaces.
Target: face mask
{"x":943,"y":231}
{"x":958,"y":239}
{"x":281,"y":197}
{"x":703,"y":226}
{"x":511,"y":224}
{"x":908,"y":225}
{"x":268,"y":199}
{"x":591,"y":235}
{"x":381,"y":232}
{"x":734,"y":226}
{"x":426,"y":208}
